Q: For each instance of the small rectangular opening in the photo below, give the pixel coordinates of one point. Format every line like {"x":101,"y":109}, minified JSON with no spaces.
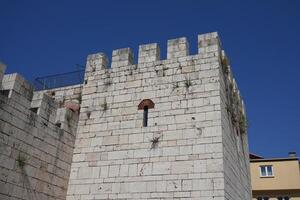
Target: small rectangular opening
{"x":4,"y":92}
{"x":145,"y":119}
{"x":35,"y":110}
{"x":58,"y":124}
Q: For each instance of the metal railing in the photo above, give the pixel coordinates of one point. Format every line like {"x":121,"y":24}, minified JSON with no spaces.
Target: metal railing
{"x":59,"y":80}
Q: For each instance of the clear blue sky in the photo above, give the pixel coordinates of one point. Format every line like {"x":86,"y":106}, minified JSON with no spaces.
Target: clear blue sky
{"x":261,"y":38}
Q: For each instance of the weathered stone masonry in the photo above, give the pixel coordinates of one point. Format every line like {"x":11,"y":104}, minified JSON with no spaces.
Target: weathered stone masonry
{"x":36,"y":142}
{"x":193,"y":147}
{"x":198,"y":153}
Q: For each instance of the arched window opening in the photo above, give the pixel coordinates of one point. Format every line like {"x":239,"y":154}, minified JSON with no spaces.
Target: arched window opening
{"x":145,"y":105}
{"x":145,"y":119}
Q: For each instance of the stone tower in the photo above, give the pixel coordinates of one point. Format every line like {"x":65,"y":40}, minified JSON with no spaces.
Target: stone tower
{"x":161,"y":129}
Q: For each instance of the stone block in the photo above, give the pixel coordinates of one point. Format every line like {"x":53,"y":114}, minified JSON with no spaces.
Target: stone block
{"x":204,"y":184}
{"x":149,"y":53}
{"x":114,"y":171}
{"x":17,"y":84}
{"x":214,"y":165}
{"x":124,"y":170}
{"x":178,"y":47}
{"x":138,"y":187}
{"x":161,"y":168}
{"x":182,"y":167}
{"x":122,"y":57}
{"x":96,"y":62}
{"x":85,"y":172}
{"x":110,"y":140}
{"x":209,"y":42}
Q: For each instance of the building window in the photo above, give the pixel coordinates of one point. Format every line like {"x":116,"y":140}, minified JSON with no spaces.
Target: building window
{"x":262,"y":198}
{"x":145,"y":105}
{"x":283,"y":198}
{"x":266,"y":171}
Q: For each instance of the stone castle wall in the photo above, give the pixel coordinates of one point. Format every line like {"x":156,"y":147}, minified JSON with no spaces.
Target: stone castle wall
{"x":194,"y":146}
{"x":235,"y":140}
{"x":36,"y":142}
{"x":191,"y":148}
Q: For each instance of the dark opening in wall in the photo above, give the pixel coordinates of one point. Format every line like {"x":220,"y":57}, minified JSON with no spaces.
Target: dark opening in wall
{"x":145,"y":105}
{"x":58,"y":124}
{"x":145,"y":119}
{"x":35,"y":110}
{"x":4,"y":93}
{"x":52,"y":93}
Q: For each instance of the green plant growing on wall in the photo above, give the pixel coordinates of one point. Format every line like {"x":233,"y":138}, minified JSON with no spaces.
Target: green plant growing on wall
{"x":234,"y":118}
{"x":104,"y":105}
{"x":243,"y":124}
{"x":21,"y":161}
{"x":224,"y":64}
{"x":234,"y":109}
{"x":154,"y":142}
{"x":228,"y":108}
{"x":235,"y":98}
{"x":187,"y":83}
{"x":175,"y":86}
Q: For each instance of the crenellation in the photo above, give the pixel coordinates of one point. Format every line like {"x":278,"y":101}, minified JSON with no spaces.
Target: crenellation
{"x":122,"y":57}
{"x":45,"y":105}
{"x":18,"y":88}
{"x":210,"y":38}
{"x":149,"y":53}
{"x":207,"y":40}
{"x":177,"y":48}
{"x":2,"y":71}
{"x":96,"y":62}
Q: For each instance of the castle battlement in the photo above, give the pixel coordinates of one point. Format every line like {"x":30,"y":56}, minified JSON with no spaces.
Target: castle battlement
{"x":2,"y":70}
{"x":171,"y":128}
{"x":122,"y":70}
{"x":18,"y":90}
{"x":176,"y":48}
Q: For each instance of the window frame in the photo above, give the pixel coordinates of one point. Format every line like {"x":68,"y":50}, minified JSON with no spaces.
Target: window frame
{"x":263,"y":198}
{"x":283,"y":198}
{"x":266,"y":169}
